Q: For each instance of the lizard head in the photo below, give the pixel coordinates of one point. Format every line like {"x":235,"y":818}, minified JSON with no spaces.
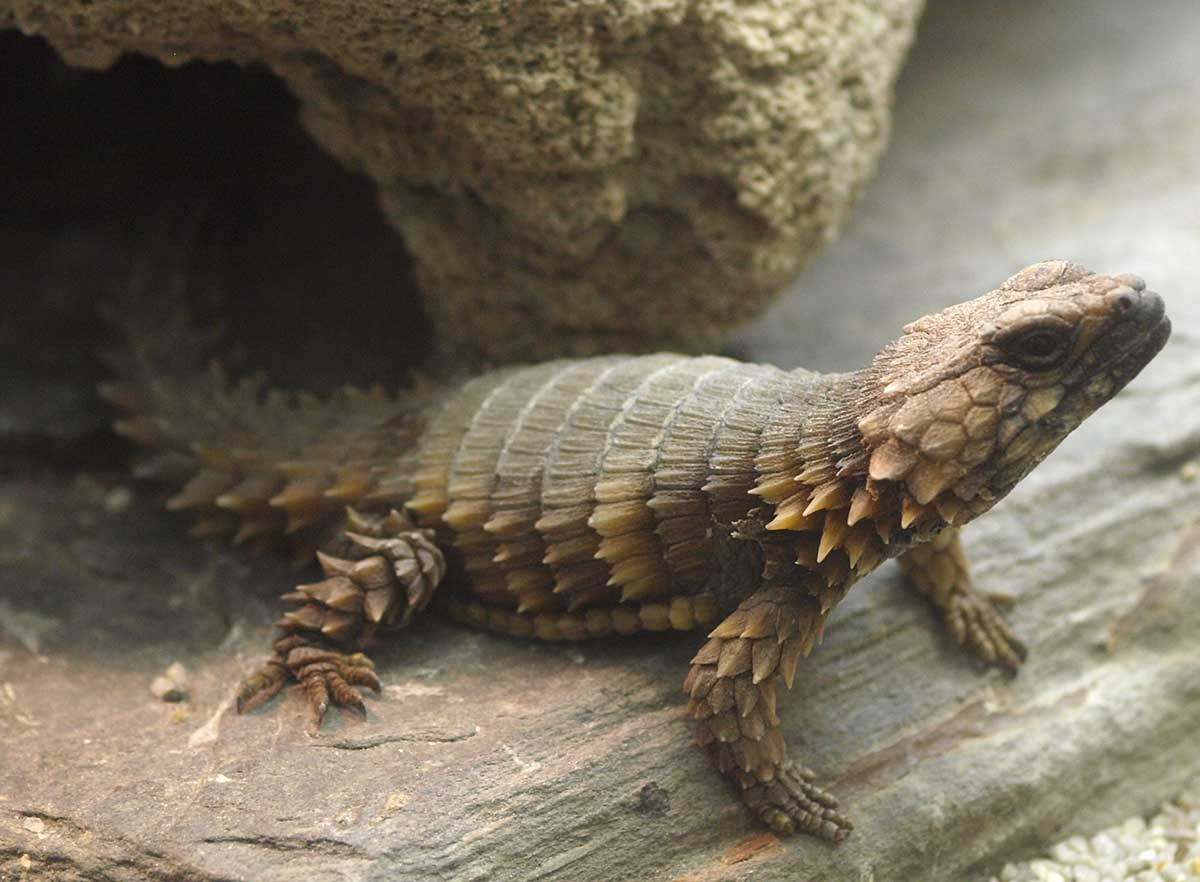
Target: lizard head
{"x":970,"y":399}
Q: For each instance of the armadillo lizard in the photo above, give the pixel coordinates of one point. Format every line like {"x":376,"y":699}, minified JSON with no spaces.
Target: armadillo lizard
{"x":579,"y":499}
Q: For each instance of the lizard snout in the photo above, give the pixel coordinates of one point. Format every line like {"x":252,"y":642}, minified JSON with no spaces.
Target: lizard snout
{"x":1144,"y":307}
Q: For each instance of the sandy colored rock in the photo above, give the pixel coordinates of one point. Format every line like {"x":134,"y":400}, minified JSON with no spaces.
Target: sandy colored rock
{"x":569,"y":177}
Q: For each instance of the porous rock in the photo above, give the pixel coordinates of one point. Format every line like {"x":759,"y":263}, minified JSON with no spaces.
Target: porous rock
{"x":570,"y":177}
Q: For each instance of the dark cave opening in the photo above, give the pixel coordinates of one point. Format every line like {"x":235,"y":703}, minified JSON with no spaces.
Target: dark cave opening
{"x":318,"y":289}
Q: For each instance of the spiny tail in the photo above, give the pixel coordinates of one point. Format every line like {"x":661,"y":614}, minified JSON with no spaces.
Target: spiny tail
{"x":253,"y":462}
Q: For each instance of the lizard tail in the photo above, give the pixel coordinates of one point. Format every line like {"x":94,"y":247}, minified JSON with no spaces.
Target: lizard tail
{"x":251,"y":461}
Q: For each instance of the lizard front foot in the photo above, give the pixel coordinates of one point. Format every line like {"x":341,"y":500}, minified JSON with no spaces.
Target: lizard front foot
{"x":978,"y":625}
{"x":392,"y":574}
{"x":789,"y":802}
{"x":938,"y":569}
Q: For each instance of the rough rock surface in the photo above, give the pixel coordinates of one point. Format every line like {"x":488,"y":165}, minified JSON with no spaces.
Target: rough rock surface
{"x":568,"y":176}
{"x":491,"y":759}
{"x":1164,"y":849}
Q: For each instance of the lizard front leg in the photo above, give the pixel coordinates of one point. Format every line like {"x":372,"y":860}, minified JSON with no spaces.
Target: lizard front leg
{"x":938,"y":569}
{"x":388,"y":570}
{"x":732,"y":689}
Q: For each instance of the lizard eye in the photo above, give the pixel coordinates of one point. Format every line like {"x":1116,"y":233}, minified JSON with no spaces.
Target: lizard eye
{"x":1038,"y":348}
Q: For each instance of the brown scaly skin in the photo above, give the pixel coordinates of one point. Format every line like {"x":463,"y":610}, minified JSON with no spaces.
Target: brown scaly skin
{"x":579,"y":499}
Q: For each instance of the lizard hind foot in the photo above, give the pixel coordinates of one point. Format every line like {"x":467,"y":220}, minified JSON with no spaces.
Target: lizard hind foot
{"x":789,"y":802}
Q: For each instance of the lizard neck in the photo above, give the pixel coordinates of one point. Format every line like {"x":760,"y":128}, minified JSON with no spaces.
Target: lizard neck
{"x":829,"y":445}
{"x":813,"y":469}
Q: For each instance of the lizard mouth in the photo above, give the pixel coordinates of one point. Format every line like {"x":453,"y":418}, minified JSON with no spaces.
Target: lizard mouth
{"x":1140,"y":330}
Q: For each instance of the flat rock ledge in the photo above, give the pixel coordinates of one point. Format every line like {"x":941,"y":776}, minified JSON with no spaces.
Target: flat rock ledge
{"x":570,"y":177}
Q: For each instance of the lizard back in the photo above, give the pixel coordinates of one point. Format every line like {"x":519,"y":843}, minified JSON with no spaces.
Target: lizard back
{"x":582,"y":484}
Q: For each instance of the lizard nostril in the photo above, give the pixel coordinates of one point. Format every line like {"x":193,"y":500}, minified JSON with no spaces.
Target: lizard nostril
{"x":1124,"y":303}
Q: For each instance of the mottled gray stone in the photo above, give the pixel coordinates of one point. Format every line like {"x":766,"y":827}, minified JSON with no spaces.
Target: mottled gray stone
{"x":492,"y":759}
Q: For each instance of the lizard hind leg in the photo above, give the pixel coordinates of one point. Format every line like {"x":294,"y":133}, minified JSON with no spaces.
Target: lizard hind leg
{"x":731,"y":686}
{"x":388,"y":570}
